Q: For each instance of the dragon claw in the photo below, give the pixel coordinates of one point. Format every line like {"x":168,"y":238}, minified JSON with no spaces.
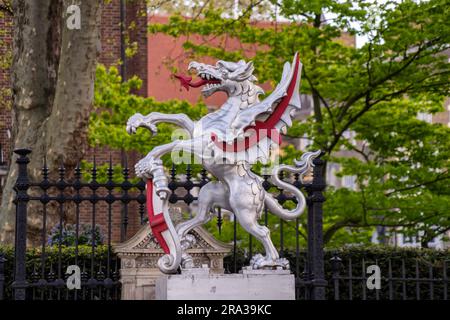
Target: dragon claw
{"x":138,"y":120}
{"x":134,"y":122}
{"x":146,"y":166}
{"x":259,"y":261}
{"x":151,"y":168}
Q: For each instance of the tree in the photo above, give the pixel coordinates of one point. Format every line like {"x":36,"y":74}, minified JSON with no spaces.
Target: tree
{"x":402,"y":179}
{"x":400,"y":71}
{"x":52,"y":81}
{"x":115,"y":103}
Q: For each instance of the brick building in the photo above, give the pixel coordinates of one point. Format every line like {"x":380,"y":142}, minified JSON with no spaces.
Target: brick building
{"x":5,"y":116}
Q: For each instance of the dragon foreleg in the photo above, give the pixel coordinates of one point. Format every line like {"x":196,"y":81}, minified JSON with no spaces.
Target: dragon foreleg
{"x":151,"y":120}
{"x":151,"y":169}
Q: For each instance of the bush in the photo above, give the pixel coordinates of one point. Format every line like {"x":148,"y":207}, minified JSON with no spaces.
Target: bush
{"x":395,"y":264}
{"x":67,"y":235}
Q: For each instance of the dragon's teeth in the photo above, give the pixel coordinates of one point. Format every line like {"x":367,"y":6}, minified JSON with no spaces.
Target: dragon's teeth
{"x":208,"y":77}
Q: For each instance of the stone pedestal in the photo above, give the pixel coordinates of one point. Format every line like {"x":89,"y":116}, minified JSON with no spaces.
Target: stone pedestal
{"x":248,"y":285}
{"x":139,"y":257}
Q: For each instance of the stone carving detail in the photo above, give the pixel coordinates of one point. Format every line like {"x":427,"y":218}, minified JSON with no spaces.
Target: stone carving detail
{"x":140,"y":254}
{"x":149,"y":242}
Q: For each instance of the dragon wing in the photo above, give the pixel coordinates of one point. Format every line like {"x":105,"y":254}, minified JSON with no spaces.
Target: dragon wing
{"x":277,"y":107}
{"x":258,"y":127}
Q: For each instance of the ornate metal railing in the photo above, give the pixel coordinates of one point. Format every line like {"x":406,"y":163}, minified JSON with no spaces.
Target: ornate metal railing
{"x":100,"y":204}
{"x":116,"y":206}
{"x":414,"y":278}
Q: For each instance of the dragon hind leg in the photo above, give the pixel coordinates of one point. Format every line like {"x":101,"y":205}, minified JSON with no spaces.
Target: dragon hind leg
{"x":272,"y":259}
{"x":210,"y":195}
{"x":261,"y":233}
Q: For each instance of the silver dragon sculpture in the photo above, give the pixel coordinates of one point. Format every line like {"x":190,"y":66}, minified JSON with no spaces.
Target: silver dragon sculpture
{"x":227,"y":143}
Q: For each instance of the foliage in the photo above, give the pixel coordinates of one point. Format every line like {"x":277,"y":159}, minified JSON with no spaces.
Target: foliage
{"x":424,"y":259}
{"x":375,"y":91}
{"x":277,"y":227}
{"x":403,"y":182}
{"x":66,"y":235}
{"x":114,"y":103}
{"x":194,"y":8}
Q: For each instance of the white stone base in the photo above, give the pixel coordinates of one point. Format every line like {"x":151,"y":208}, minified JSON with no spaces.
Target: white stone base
{"x":255,"y":285}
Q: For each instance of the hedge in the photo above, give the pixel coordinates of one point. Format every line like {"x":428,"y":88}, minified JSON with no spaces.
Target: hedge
{"x":33,"y":262}
{"x":429,"y":262}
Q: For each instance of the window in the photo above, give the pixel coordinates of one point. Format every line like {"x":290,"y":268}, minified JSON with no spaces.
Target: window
{"x":350,"y":136}
{"x":349,"y":182}
{"x":427,"y":117}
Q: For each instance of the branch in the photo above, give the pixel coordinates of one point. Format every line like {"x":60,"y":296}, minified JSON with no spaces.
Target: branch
{"x":226,"y":25}
{"x":201,"y":10}
{"x":331,"y":231}
{"x":366,"y":108}
{"x":360,"y":151}
{"x":434,"y":234}
{"x":302,"y":14}
{"x":417,"y":54}
{"x":441,"y":177}
{"x":6,"y":7}
{"x":357,"y":223}
{"x":373,"y":85}
{"x":324,"y":102}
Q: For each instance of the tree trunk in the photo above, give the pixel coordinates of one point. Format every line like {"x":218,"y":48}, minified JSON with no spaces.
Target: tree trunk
{"x":53,"y":87}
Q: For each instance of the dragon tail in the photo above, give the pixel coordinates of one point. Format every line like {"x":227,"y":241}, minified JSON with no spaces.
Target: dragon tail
{"x":301,"y":167}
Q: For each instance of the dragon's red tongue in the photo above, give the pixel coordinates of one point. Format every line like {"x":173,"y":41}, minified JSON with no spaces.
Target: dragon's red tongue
{"x":185,"y":81}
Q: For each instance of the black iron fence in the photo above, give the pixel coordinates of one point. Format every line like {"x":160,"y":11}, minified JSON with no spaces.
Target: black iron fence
{"x":113,"y":207}
{"x":99,"y":271}
{"x":43,"y":276}
{"x":400,"y":278}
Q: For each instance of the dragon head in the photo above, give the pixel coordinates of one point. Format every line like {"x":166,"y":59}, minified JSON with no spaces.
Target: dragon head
{"x":225,"y":76}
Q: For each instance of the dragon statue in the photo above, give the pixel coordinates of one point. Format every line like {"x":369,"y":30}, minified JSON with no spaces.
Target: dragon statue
{"x":226,"y":142}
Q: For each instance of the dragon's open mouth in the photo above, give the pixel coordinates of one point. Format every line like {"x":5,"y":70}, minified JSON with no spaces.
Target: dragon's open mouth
{"x":205,"y":79}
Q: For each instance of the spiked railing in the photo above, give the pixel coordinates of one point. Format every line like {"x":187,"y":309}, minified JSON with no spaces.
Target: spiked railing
{"x":102,"y":201}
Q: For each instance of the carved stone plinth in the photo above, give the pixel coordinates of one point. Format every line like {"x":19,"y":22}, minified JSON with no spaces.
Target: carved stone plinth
{"x":139,"y":257}
{"x":248,"y":285}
